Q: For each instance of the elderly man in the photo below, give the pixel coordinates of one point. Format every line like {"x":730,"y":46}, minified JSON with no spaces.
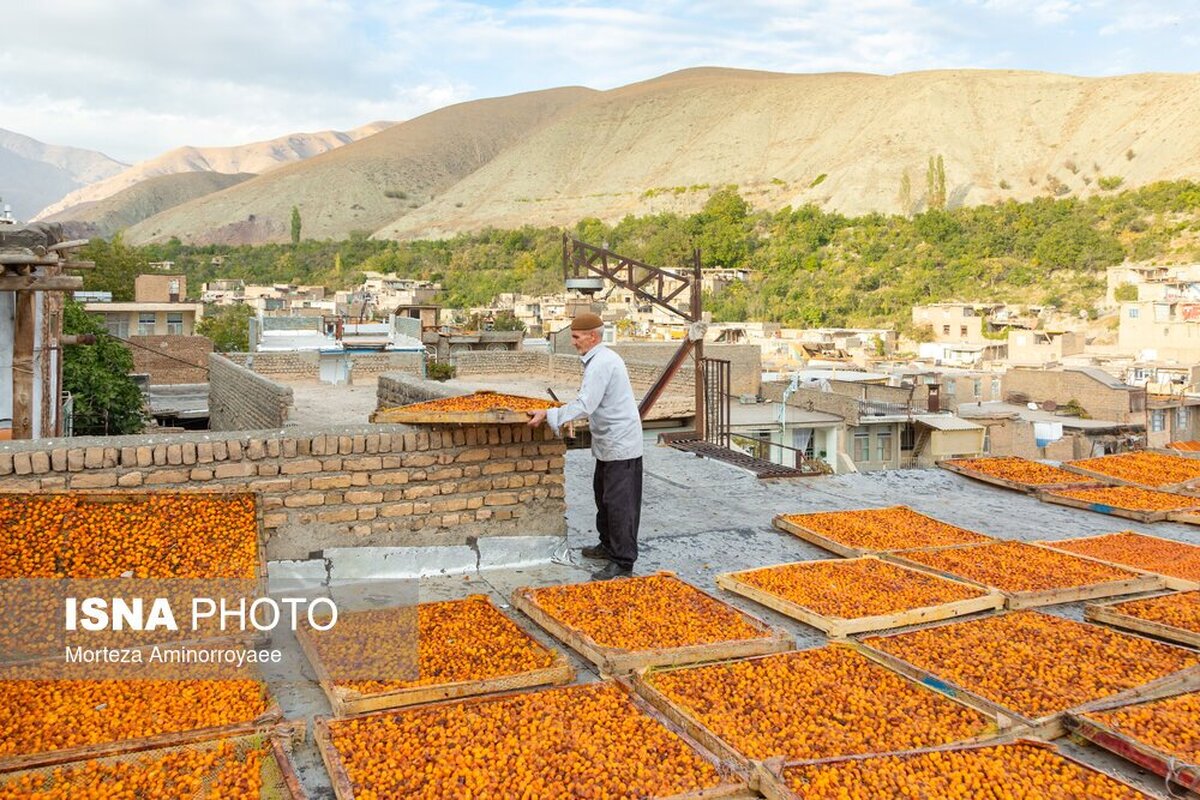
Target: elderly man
{"x":606,"y":399}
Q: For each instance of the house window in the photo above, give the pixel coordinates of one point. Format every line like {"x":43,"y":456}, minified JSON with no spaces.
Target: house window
{"x":977,"y":388}
{"x":1183,"y":421}
{"x":945,"y":330}
{"x":117,"y":326}
{"x":908,"y":436}
{"x":995,"y":388}
{"x":146,"y":324}
{"x":1133,"y":313}
{"x":951,"y":387}
{"x":175,"y":323}
{"x":862,"y":447}
{"x":962,"y":330}
{"x":883,"y":446}
{"x":987,"y":438}
{"x":1158,"y":420}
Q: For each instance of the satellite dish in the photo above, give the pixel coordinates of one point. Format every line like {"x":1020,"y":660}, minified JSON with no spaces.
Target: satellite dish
{"x":1049,"y":405}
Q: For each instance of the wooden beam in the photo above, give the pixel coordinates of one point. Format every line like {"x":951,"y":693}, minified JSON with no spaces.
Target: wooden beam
{"x":22,"y":365}
{"x":47,"y":283}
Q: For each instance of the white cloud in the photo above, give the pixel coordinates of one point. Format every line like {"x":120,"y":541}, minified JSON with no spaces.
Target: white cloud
{"x":142,"y":76}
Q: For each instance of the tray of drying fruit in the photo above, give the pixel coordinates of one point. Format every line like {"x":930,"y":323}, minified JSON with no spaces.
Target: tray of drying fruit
{"x":479,"y":408}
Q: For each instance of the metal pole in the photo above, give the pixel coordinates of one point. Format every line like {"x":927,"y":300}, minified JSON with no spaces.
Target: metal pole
{"x":698,"y":348}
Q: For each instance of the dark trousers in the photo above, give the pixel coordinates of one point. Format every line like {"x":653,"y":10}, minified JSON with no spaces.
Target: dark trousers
{"x":618,"y":488}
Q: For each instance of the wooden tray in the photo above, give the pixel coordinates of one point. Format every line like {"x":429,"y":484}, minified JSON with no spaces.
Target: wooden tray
{"x":840,"y":628}
{"x":279,"y":773}
{"x":248,"y":638}
{"x":347,"y":701}
{"x":1144,"y":755}
{"x":1169,"y":581}
{"x":612,"y":661}
{"x":1049,"y":726}
{"x":1115,"y":511}
{"x":697,"y":730}
{"x":416,"y":416}
{"x":1008,"y":483}
{"x":1187,"y":487}
{"x":1032,"y":598}
{"x":1109,"y":614}
{"x":773,"y":787}
{"x":781,"y":522}
{"x":735,"y":788}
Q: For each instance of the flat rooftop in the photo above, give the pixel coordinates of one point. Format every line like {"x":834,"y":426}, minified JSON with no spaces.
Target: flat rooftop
{"x":701,"y":518}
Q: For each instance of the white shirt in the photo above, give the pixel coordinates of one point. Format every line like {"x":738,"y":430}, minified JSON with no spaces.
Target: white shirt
{"x":606,"y":399}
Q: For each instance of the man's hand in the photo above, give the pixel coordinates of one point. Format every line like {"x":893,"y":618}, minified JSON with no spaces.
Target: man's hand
{"x":536,"y":418}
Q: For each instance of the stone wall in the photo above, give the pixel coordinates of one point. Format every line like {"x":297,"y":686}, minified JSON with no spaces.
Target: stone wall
{"x":745,"y":361}
{"x":306,"y":365}
{"x":369,"y":485}
{"x":238,"y":399}
{"x":399,"y":389}
{"x":160,"y":357}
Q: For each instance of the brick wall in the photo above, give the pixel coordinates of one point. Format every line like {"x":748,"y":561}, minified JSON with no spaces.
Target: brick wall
{"x":238,"y":399}
{"x":298,"y":365}
{"x":398,"y":389}
{"x":369,"y":485}
{"x":162,"y":359}
{"x":1062,"y":386}
{"x":306,"y":366}
{"x":815,"y":400}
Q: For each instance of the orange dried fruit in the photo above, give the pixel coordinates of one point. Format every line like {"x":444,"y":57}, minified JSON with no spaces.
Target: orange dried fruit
{"x":587,"y":741}
{"x":1019,"y":770}
{"x":1171,"y":725}
{"x":451,"y":642}
{"x":201,"y":773}
{"x":811,"y":704}
{"x":1178,"y":610}
{"x":484,"y":401}
{"x":1132,"y":549}
{"x":1018,"y":567}
{"x":1145,"y":468}
{"x":1036,"y":664}
{"x":878,"y":529}
{"x":1131,"y":498}
{"x":654,"y":611}
{"x":1020,"y":470}
{"x":862,"y":587}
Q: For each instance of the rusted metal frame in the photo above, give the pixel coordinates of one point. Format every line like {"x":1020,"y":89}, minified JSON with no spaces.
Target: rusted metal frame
{"x":668,"y":373}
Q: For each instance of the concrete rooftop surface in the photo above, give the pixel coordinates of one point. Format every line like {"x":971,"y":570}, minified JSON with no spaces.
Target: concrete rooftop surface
{"x":701,"y":518}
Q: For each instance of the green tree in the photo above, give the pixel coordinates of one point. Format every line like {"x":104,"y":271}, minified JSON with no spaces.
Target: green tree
{"x":228,"y":327}
{"x":295,"y":225}
{"x":507,"y":321}
{"x":117,"y":265}
{"x":106,"y":401}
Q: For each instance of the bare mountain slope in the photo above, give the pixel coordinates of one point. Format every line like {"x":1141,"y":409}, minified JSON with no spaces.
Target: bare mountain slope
{"x":367,"y":184}
{"x":256,"y":158}
{"x":33,"y":174}
{"x":843,"y":141}
{"x":130,"y":206}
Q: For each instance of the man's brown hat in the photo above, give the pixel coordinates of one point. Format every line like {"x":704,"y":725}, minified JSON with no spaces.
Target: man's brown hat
{"x":587,"y":322}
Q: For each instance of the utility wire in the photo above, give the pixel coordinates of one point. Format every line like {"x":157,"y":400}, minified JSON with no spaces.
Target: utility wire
{"x":159,"y":353}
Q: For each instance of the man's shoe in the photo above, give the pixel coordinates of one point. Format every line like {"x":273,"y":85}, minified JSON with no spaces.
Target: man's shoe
{"x":599,"y":552}
{"x":613,"y":570}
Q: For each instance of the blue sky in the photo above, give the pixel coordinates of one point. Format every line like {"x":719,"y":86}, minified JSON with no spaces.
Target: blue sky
{"x":133,"y":78}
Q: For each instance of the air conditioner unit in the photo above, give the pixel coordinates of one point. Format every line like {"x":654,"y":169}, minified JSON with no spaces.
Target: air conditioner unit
{"x":747,"y":399}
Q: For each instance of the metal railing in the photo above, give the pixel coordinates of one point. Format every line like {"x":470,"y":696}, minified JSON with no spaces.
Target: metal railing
{"x":880,"y":408}
{"x":762,"y":448}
